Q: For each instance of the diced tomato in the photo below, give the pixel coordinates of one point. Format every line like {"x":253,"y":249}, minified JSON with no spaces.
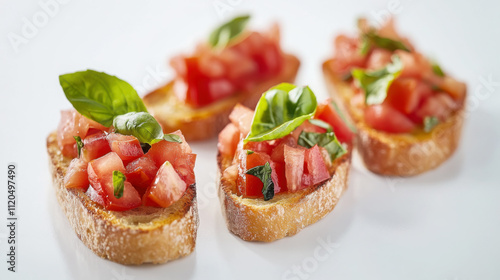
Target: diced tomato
{"x":185,"y":168}
{"x":167,"y":187}
{"x":455,"y":88}
{"x":94,"y":196}
{"x":294,"y":167}
{"x":228,"y":140}
{"x":101,"y":178}
{"x":385,"y":118}
{"x":263,"y":146}
{"x":127,"y":147}
{"x":379,"y":58}
{"x":307,"y":127}
{"x":415,"y":65}
{"x":94,"y":146}
{"x":73,"y":124}
{"x":327,"y":113}
{"x":241,"y":117}
{"x":141,"y":172}
{"x":278,"y":153}
{"x":405,"y":94}
{"x":347,"y":54}
{"x":251,"y":186}
{"x":439,"y":105}
{"x":280,"y":178}
{"x":77,"y":176}
{"x":315,"y":166}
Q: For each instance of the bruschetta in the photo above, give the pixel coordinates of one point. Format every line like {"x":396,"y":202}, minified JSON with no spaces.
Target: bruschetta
{"x":127,"y":189}
{"x":283,"y":166}
{"x":235,"y":65}
{"x":408,"y":112}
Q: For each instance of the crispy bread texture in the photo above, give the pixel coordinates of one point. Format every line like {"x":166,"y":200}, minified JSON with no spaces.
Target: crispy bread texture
{"x":141,"y":235}
{"x":208,"y":121}
{"x":397,"y":154}
{"x":254,"y":219}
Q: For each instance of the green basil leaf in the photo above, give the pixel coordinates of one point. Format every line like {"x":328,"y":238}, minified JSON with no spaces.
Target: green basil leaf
{"x":263,"y":172}
{"x":326,"y":140}
{"x":280,"y":110}
{"x":79,"y":144}
{"x":118,"y":183}
{"x":99,"y":96}
{"x":141,"y":125}
{"x":169,"y":137}
{"x":228,"y":31}
{"x":430,"y":123}
{"x":388,"y":44}
{"x":250,"y":152}
{"x":375,"y":83}
{"x":322,"y":124}
{"x":437,"y":69}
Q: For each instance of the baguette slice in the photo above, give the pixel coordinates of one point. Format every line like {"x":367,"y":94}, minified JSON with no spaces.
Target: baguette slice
{"x":141,"y":235}
{"x":206,"y":122}
{"x":397,"y":154}
{"x":284,"y":215}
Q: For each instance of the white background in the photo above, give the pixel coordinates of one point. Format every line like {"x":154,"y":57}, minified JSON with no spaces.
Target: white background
{"x":444,"y":224}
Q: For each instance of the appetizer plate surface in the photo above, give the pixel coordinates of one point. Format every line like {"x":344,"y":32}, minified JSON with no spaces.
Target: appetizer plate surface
{"x":441,"y":225}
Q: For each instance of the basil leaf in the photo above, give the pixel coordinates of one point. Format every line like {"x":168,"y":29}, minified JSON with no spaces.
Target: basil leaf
{"x":249,"y":152}
{"x":118,"y":183}
{"x":168,"y":137}
{"x":437,"y":69}
{"x":375,"y":83}
{"x":99,"y":96}
{"x":79,"y":144}
{"x":326,"y":140}
{"x":370,"y":39}
{"x":430,"y":123}
{"x":141,"y":125}
{"x":225,"y":33}
{"x":322,"y":124}
{"x":263,"y":172}
{"x":280,"y":110}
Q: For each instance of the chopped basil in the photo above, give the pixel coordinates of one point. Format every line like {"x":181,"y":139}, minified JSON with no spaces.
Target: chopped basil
{"x":263,"y":172}
{"x":322,"y":124}
{"x":370,"y":39}
{"x":99,"y":96}
{"x":169,"y":137}
{"x":376,"y":83}
{"x":327,"y":140}
{"x":118,"y":183}
{"x":250,"y":152}
{"x":228,"y":31}
{"x":280,"y":110}
{"x":430,"y":122}
{"x":437,"y":69}
{"x":79,"y":144}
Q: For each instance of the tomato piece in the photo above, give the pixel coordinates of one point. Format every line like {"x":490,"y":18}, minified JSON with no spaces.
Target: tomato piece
{"x":77,"y":176}
{"x":315,"y":166}
{"x":228,"y":140}
{"x":347,"y":54}
{"x":167,"y":187}
{"x":94,"y":196}
{"x":127,"y":147}
{"x":326,"y":112}
{"x":385,"y":118}
{"x":263,"y":146}
{"x":415,"y":65}
{"x":455,"y":88}
{"x":185,"y":168}
{"x":141,"y":172}
{"x":405,"y":94}
{"x":278,"y":153}
{"x":251,"y":186}
{"x":94,"y":146}
{"x":307,"y":127}
{"x":379,"y":58}
{"x":73,"y":124}
{"x":294,"y":167}
{"x":439,"y":105}
{"x":101,"y":178}
{"x":242,"y":117}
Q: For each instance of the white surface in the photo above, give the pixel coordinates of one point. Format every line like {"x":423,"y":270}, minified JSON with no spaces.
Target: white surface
{"x":444,"y":224}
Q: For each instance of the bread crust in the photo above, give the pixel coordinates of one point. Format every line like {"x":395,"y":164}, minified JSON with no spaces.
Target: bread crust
{"x":208,"y":121}
{"x":397,"y":154}
{"x":284,"y":215}
{"x":141,"y":235}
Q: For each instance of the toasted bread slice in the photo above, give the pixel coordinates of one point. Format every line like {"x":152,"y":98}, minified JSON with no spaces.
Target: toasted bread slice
{"x":207,"y":122}
{"x":397,"y":154}
{"x":140,"y":235}
{"x":254,"y":219}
